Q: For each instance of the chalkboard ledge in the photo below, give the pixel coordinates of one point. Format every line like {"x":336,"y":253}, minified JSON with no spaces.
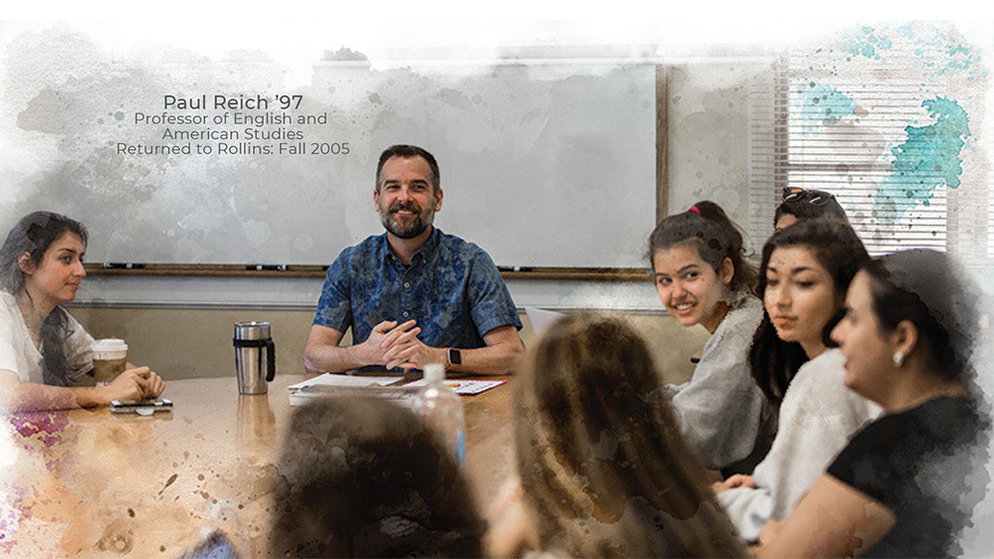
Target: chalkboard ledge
{"x":306,"y":271}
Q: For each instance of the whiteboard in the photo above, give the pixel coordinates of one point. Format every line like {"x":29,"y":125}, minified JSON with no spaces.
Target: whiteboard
{"x":542,"y":164}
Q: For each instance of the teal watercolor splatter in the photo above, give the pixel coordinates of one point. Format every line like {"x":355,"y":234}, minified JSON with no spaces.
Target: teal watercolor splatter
{"x":865,"y":41}
{"x":822,"y":105}
{"x":943,"y":50}
{"x":928,"y":159}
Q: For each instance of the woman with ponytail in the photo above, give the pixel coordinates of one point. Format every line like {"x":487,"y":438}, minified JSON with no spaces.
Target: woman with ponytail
{"x":702,"y":277}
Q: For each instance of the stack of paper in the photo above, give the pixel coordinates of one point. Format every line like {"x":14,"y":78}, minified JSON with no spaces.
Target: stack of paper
{"x":384,"y":387}
{"x":329,"y":379}
{"x":333,"y":384}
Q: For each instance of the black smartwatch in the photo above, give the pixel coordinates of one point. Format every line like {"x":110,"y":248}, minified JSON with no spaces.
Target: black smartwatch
{"x":454,"y":356}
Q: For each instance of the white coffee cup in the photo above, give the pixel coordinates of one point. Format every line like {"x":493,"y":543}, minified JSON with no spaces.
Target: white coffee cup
{"x":109,"y":359}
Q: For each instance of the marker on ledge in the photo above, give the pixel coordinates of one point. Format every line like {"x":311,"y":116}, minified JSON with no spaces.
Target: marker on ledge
{"x":266,"y":267}
{"x":514,"y":268}
{"x":122,"y":266}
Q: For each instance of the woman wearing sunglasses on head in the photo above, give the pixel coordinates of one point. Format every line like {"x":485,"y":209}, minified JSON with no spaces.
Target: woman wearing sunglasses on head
{"x":906,"y":484}
{"x":799,"y":204}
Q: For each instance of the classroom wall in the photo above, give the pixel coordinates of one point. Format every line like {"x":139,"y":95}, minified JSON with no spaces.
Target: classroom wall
{"x":194,"y":343}
{"x":176,"y":325}
{"x":708,"y":134}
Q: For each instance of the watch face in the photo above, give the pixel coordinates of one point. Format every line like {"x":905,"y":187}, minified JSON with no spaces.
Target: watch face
{"x":455,"y":357}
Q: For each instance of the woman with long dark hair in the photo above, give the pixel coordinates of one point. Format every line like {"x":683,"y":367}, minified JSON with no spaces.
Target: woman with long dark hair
{"x":805,"y":272}
{"x":44,"y":352}
{"x":361,"y":476}
{"x":906,"y":484}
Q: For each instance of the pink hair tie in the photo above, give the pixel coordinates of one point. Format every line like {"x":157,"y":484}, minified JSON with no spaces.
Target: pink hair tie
{"x":695,"y":210}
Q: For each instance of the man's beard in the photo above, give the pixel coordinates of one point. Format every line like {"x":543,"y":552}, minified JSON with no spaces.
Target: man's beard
{"x":418,"y":226}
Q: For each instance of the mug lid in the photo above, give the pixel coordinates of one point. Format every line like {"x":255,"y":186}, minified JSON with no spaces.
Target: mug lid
{"x":252,"y":330}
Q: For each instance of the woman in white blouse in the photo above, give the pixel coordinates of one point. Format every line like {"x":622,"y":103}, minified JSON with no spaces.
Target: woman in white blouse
{"x":44,"y":351}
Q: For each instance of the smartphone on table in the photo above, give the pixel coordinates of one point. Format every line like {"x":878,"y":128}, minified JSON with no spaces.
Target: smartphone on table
{"x":144,"y":407}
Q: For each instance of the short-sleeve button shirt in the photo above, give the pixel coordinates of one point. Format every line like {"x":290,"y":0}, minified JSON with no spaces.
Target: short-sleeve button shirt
{"x":452,"y":288}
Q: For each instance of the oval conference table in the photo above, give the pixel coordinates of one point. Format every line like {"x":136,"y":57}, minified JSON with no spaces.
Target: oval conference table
{"x":90,"y":483}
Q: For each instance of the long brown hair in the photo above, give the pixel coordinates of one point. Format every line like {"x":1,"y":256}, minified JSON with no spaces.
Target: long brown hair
{"x":33,"y":234}
{"x":601,"y":459}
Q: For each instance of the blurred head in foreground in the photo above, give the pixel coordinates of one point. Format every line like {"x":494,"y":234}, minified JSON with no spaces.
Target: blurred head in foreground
{"x":364,"y":477}
{"x":603,"y":467}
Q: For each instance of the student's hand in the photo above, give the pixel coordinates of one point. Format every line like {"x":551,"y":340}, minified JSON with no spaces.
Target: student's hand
{"x":508,"y":534}
{"x":737,"y":480}
{"x":133,"y":385}
{"x":154,"y":385}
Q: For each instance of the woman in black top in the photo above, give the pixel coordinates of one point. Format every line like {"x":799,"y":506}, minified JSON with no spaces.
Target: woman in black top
{"x":905,"y":485}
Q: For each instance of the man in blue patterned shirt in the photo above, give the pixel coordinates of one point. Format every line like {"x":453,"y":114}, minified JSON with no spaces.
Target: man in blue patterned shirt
{"x":413,"y":295}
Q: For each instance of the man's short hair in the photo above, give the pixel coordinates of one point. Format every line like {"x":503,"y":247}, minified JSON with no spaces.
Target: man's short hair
{"x":406,"y":151}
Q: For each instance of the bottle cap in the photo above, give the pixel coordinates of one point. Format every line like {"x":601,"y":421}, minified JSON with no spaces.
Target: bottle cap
{"x":434,"y":372}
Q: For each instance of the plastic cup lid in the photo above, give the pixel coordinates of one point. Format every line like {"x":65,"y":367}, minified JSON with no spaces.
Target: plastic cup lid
{"x":109,"y":345}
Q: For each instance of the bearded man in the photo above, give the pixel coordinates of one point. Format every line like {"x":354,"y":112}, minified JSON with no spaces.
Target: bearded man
{"x":413,"y":295}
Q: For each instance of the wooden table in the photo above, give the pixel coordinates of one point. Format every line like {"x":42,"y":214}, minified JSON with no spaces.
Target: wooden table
{"x":88,"y":483}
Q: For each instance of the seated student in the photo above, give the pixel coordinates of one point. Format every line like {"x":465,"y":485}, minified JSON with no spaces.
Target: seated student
{"x":800,"y":203}
{"x":414,"y":295}
{"x":805,"y":272}
{"x":603,"y":469}
{"x":703,"y":278}
{"x":43,"y":350}
{"x":364,"y":477}
{"x":902,"y":486}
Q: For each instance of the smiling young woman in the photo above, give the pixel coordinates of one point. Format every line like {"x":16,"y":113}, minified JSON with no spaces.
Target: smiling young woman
{"x":43,"y":350}
{"x":702,"y":277}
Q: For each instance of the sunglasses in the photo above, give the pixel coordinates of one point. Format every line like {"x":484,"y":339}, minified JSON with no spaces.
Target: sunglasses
{"x":813,"y":197}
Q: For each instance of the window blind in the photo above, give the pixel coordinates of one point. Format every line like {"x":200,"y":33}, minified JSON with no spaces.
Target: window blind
{"x":888,"y":132}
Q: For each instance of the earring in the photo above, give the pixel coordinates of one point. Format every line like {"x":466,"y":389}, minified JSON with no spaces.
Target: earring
{"x":898,"y":359}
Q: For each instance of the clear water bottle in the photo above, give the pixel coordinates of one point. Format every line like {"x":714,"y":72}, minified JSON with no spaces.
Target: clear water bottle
{"x":442,"y":411}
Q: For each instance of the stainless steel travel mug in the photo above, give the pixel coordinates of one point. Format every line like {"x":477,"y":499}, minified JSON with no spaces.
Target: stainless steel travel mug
{"x":252,"y":340}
